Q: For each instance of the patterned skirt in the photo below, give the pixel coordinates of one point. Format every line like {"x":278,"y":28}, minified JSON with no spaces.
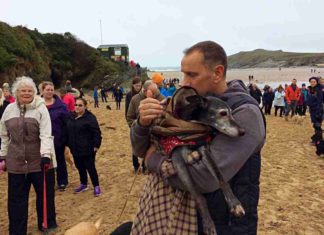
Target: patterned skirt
{"x":164,"y":210}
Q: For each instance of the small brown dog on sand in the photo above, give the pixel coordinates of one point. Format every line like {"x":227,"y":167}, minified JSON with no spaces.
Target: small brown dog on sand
{"x":68,"y":156}
{"x":85,"y":228}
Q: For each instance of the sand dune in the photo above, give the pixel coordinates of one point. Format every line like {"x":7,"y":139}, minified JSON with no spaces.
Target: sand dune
{"x":292,"y":182}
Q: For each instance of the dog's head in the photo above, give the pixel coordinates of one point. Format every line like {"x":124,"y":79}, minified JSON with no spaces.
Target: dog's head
{"x":188,"y":105}
{"x":85,"y":228}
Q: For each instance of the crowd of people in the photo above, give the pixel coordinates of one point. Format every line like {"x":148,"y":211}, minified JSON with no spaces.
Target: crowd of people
{"x":292,"y":100}
{"x":36,"y":129}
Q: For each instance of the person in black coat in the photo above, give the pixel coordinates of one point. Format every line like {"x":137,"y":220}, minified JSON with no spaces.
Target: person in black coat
{"x":267,"y":99}
{"x":118,"y":97}
{"x":315,"y":104}
{"x":84,"y":140}
{"x":136,"y":88}
{"x":255,"y":92}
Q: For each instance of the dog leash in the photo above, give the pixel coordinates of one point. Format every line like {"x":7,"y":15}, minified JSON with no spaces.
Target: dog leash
{"x":127,"y":196}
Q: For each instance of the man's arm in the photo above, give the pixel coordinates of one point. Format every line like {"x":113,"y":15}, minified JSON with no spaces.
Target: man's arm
{"x":140,"y":139}
{"x":149,"y":109}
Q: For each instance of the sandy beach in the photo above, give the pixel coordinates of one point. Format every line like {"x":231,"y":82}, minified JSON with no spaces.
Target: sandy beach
{"x":262,"y":75}
{"x":291,"y":200}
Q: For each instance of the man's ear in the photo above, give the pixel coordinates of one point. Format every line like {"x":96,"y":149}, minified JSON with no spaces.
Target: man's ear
{"x":218,"y":72}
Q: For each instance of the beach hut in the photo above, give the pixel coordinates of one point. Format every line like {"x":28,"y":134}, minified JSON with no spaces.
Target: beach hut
{"x":116,"y":52}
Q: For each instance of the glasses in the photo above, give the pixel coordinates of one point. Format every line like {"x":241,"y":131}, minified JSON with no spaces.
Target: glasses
{"x":79,"y":105}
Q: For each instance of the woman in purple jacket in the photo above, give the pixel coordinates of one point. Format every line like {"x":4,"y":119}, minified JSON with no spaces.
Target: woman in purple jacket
{"x":58,"y":113}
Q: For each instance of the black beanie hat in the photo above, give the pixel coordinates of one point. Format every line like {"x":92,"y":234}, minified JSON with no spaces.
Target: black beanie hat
{"x":315,"y":78}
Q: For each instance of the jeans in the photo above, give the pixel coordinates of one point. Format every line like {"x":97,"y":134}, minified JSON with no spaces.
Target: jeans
{"x":86,"y":164}
{"x":291,"y":107}
{"x":61,"y":171}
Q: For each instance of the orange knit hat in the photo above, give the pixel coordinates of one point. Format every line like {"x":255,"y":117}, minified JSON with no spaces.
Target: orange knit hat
{"x":157,"y":78}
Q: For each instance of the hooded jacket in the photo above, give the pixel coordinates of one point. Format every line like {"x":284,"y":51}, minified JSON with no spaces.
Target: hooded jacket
{"x":83,"y":134}
{"x":291,"y":94}
{"x":315,"y":103}
{"x":58,"y":113}
{"x":26,"y":134}
{"x":279,"y":99}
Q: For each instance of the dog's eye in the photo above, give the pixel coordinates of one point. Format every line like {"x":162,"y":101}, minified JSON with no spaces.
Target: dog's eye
{"x":223,"y":113}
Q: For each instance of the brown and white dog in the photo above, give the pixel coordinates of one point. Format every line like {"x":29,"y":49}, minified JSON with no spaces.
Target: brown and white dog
{"x":85,"y":228}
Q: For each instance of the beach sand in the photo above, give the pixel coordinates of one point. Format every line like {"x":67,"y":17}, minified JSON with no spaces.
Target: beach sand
{"x":261,"y":75}
{"x":291,"y":200}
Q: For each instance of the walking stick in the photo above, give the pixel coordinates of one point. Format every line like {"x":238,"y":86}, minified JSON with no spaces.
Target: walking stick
{"x":44,"y":202}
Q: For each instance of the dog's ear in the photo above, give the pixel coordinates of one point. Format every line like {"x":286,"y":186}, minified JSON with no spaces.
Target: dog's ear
{"x":204,"y":103}
{"x":194,"y":99}
{"x":198,"y":100}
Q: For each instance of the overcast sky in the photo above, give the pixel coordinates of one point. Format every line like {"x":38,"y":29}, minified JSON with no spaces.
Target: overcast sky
{"x":157,"y":31}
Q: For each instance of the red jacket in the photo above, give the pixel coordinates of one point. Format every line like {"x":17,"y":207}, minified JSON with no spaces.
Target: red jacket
{"x":68,"y":99}
{"x":291,"y":94}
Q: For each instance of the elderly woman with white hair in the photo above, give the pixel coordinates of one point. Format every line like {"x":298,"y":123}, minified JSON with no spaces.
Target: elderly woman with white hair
{"x":27,"y":153}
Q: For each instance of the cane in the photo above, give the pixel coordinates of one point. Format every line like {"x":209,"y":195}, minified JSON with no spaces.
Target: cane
{"x":44,"y":202}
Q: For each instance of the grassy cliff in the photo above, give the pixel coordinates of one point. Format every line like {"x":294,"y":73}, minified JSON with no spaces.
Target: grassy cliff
{"x":56,"y":57}
{"x":270,"y":59}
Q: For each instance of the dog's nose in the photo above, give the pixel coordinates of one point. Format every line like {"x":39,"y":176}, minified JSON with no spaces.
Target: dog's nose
{"x":241,"y":132}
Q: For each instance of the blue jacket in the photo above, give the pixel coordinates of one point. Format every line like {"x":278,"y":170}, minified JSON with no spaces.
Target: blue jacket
{"x":163,"y":91}
{"x":305,"y":92}
{"x":58,"y":113}
{"x":171,"y":90}
{"x":267,"y":97}
{"x":95,"y":94}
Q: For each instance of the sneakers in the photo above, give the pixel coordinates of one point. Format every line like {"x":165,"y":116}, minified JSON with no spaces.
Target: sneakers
{"x":97,"y":191}
{"x":81,"y":188}
{"x":62,"y":187}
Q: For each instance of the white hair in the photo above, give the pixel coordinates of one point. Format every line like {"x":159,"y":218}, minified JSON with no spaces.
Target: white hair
{"x":23,"y":81}
{"x":1,"y":97}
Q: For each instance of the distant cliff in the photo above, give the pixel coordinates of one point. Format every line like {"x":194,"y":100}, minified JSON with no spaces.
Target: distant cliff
{"x":56,"y":57}
{"x":260,"y":58}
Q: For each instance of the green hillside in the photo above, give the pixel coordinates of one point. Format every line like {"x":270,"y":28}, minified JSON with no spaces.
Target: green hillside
{"x":269,"y":59}
{"x":55,"y":56}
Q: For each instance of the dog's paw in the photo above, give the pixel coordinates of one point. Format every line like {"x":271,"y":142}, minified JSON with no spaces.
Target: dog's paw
{"x":238,"y":210}
{"x":193,"y":157}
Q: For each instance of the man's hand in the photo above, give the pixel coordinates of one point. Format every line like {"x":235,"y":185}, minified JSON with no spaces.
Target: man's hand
{"x":2,"y":166}
{"x":149,"y":109}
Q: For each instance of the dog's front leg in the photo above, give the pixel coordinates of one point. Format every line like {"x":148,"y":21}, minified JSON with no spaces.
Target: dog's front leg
{"x":233,"y":203}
